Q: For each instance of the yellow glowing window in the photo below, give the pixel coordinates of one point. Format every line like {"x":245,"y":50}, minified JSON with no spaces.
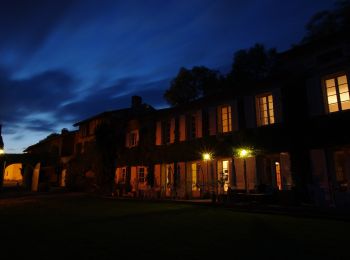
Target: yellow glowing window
{"x":225,"y":174}
{"x":337,"y":90}
{"x":265,"y":110}
{"x":226,"y":119}
{"x":194,"y":176}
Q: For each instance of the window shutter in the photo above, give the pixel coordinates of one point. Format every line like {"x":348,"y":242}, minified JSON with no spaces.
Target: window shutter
{"x":159,"y":133}
{"x":137,"y":132}
{"x":127,"y":139}
{"x":234,"y":115}
{"x":277,"y":109}
{"x":182,"y":128}
{"x":199,"y":128}
{"x":249,"y":112}
{"x":212,"y":120}
{"x":219,"y":119}
{"x":172,"y":130}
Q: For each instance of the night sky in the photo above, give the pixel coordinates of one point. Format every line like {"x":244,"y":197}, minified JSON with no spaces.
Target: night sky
{"x":63,"y":61}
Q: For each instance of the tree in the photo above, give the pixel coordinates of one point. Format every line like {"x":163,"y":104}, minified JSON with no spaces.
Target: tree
{"x":252,"y":65}
{"x":330,"y":22}
{"x":191,"y":84}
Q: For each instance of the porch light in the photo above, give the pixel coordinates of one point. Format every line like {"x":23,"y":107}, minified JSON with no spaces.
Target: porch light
{"x":206,"y":156}
{"x":244,"y":152}
{"x":2,"y":151}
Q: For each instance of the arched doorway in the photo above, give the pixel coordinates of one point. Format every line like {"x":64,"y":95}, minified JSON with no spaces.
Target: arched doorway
{"x":13,"y":174}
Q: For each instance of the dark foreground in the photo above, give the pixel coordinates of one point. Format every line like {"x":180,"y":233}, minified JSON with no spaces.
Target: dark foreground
{"x":77,"y":226}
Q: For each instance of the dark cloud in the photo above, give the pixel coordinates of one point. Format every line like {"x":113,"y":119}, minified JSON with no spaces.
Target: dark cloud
{"x":41,"y":125}
{"x":24,"y":25}
{"x":42,"y":93}
{"x":114,"y":97}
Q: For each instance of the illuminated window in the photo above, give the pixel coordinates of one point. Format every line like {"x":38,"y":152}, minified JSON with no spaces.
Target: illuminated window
{"x":265,"y":113}
{"x":226,"y":119}
{"x":337,"y":90}
{"x":141,"y":174}
{"x":194,"y":176}
{"x":223,"y":167}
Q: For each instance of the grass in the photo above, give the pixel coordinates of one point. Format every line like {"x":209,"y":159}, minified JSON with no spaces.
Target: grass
{"x":81,"y":227}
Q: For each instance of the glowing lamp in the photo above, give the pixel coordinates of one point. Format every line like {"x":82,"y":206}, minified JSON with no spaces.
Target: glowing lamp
{"x":206,"y":156}
{"x":2,"y":151}
{"x":244,"y":153}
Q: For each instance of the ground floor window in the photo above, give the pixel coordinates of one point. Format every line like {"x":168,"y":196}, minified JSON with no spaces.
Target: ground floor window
{"x":223,"y":174}
{"x":194,"y":176}
{"x":340,"y":170}
{"x":168,"y":172}
{"x":278,"y":175}
{"x":141,"y":171}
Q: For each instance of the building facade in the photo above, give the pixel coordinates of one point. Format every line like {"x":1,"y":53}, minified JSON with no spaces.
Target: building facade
{"x":287,"y":135}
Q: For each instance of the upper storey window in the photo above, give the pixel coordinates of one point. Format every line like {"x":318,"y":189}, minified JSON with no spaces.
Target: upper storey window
{"x":226,"y":119}
{"x":337,"y":90}
{"x":132,"y":138}
{"x":265,"y":111}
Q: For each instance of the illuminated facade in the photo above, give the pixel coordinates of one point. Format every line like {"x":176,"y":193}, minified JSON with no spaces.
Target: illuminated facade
{"x":296,"y":125}
{"x":294,"y":129}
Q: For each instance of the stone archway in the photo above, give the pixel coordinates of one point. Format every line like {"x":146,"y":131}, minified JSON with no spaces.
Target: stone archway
{"x":17,"y":169}
{"x":13,"y":175}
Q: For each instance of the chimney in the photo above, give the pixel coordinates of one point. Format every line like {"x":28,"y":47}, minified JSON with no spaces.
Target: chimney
{"x":136,"y":101}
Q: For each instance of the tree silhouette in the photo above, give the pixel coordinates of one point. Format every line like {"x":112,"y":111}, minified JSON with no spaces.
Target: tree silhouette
{"x":191,"y":84}
{"x":252,"y":65}
{"x":329,"y":22}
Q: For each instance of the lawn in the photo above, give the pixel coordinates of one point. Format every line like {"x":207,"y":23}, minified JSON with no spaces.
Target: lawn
{"x":83,"y":227}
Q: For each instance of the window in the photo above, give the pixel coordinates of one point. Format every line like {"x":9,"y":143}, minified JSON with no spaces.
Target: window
{"x":226,"y":119}
{"x":142,"y":174}
{"x":194,"y":176}
{"x":84,"y":130}
{"x":265,"y":113}
{"x":337,"y":90}
{"x":223,"y":176}
{"x":341,"y":170}
{"x":169,"y":171}
{"x":132,"y":138}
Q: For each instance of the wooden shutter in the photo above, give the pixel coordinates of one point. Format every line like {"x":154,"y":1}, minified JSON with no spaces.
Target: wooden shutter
{"x":159,"y":133}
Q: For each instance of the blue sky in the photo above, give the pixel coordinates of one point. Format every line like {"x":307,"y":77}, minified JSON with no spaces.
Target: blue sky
{"x":63,"y":61}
